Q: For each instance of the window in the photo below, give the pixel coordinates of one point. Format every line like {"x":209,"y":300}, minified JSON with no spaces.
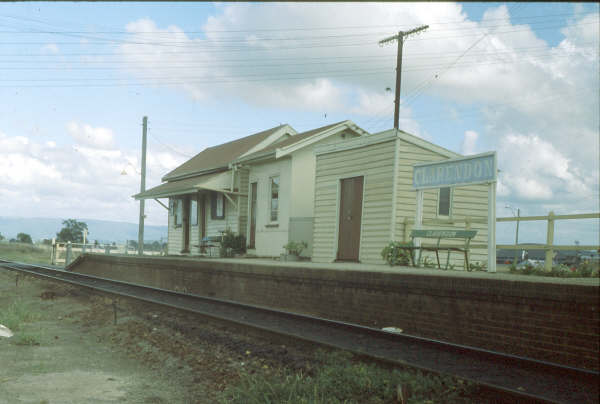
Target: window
{"x":177,"y":211}
{"x":194,"y":212}
{"x":444,"y":202}
{"x":274,"y":198}
{"x":217,"y":210}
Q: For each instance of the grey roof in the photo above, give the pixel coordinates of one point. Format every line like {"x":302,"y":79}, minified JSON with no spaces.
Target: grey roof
{"x":218,"y":157}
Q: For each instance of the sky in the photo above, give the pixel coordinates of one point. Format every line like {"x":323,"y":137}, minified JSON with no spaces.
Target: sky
{"x":76,"y":79}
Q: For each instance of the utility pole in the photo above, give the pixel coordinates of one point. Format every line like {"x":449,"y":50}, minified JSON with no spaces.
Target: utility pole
{"x":400,"y":38}
{"x":142,"y":188}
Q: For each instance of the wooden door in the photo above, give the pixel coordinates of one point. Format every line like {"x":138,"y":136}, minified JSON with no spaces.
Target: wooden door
{"x":251,"y":243}
{"x":350,"y":218}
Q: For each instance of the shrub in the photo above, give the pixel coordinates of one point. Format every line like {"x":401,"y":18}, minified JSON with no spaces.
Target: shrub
{"x":585,"y":269}
{"x":295,"y":248}
{"x":394,"y":254}
{"x":232,"y":243}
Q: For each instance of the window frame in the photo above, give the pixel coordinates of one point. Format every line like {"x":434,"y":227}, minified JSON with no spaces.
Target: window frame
{"x":193,"y":212}
{"x":178,"y":212}
{"x":439,"y":194}
{"x":270,"y":198}
{"x":214,"y":200}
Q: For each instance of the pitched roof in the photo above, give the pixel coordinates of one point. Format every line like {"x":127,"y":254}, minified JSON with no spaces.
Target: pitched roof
{"x":214,"y":181}
{"x":219,"y":156}
{"x":293,"y":140}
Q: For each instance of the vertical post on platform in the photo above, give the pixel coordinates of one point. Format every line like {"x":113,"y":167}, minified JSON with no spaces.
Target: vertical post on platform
{"x":84,"y":241}
{"x":53,"y":253}
{"x":419,"y":220}
{"x":491,"y":239}
{"x":68,"y":257}
{"x":549,"y":242}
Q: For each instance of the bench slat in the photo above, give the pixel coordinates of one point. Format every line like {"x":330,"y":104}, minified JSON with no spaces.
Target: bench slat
{"x":443,"y":233}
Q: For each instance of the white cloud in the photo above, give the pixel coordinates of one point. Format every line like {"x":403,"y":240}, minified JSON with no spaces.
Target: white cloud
{"x":50,"y":48}
{"x":101,"y":138}
{"x":534,"y":169}
{"x":45,"y":179}
{"x":469,"y":142}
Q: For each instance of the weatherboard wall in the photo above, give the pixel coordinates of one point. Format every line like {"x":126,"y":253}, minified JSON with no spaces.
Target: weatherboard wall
{"x":466,"y":201}
{"x":375,"y":161}
{"x":375,"y":164}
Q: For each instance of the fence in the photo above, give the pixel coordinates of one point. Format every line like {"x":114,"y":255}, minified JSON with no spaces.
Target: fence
{"x":65,"y":253}
{"x":549,"y":247}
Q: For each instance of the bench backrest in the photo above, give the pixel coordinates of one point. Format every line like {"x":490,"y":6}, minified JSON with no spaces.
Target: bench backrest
{"x":466,"y":234}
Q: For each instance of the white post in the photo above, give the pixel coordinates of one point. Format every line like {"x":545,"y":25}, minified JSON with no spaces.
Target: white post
{"x":419,"y":220}
{"x":491,"y":239}
{"x":549,"y":242}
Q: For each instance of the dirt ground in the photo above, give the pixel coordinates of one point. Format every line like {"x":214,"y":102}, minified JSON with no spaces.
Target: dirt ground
{"x":76,"y":354}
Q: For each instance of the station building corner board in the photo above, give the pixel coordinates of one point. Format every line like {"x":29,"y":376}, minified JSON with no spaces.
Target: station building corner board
{"x":342,"y":190}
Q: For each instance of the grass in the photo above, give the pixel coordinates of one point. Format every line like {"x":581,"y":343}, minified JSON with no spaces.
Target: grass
{"x":14,"y":316}
{"x":25,"y":253}
{"x":341,"y":379}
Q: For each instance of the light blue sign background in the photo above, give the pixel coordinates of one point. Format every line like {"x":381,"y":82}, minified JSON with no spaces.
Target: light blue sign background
{"x":464,"y":171}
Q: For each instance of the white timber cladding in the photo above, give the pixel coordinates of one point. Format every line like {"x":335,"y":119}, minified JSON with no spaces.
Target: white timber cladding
{"x":380,"y":167}
{"x":466,"y":201}
{"x":376,"y":164}
{"x":271,"y":236}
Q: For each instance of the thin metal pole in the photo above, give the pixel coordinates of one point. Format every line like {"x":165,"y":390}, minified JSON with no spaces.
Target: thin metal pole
{"x":142,"y":189}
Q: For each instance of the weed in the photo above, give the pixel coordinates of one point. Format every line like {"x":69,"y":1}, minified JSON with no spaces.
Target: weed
{"x":26,"y":338}
{"x":341,"y":379}
{"x":17,"y":313}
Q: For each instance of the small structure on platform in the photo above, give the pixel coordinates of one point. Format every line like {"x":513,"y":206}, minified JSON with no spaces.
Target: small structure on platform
{"x":365,"y":198}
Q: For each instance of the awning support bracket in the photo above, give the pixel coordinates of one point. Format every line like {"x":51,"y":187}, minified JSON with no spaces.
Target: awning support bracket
{"x":163,"y":205}
{"x":230,"y":200}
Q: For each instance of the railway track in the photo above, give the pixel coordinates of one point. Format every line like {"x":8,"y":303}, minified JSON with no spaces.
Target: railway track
{"x":513,"y":377}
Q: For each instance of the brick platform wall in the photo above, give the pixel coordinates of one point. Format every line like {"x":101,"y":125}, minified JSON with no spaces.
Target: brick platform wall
{"x":553,"y":322}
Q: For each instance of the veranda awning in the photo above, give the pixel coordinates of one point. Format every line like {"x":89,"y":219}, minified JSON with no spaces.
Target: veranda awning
{"x":219,"y":182}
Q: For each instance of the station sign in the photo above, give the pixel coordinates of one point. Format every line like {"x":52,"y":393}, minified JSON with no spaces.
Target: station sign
{"x":477,"y":169}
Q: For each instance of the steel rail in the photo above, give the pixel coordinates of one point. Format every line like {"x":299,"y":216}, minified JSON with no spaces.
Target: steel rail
{"x":500,"y":372}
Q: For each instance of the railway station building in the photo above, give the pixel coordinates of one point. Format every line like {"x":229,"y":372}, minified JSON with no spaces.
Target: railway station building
{"x":260,"y":186}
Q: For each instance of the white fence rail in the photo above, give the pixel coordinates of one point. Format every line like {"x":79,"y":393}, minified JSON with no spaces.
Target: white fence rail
{"x":65,"y":253}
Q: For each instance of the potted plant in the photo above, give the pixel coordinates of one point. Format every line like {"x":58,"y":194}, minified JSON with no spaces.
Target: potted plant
{"x":293,"y":250}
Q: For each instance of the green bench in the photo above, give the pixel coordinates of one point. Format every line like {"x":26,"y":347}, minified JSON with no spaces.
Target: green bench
{"x":465,"y":235}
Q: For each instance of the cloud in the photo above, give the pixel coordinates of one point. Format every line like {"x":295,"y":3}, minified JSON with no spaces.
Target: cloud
{"x":101,"y":138}
{"x":50,"y":48}
{"x":469,"y":142}
{"x":534,"y":169}
{"x":77,"y":180}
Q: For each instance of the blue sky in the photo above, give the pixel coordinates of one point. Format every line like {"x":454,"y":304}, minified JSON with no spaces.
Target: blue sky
{"x":77,"y":78}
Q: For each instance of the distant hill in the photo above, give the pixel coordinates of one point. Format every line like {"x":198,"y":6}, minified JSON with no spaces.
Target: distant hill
{"x":102,"y":230}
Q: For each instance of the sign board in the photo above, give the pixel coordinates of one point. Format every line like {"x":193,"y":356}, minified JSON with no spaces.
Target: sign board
{"x":478,"y":169}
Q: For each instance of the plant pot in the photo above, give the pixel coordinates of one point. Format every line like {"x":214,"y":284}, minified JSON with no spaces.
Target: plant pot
{"x":291,"y":257}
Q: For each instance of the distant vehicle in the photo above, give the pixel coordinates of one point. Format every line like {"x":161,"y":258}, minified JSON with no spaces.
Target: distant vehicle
{"x":530,"y":262}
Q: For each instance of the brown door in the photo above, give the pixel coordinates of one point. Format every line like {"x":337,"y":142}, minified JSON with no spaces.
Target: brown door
{"x":186,"y":225}
{"x":252,"y":240}
{"x":350,"y":216}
